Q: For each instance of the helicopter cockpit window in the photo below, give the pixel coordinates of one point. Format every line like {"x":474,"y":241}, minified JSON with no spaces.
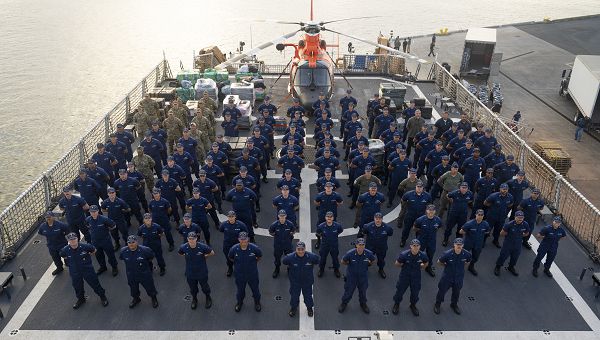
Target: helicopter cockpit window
{"x":312,"y":76}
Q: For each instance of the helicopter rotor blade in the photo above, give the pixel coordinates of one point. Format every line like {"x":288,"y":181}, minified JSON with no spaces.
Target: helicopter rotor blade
{"x":347,"y":19}
{"x":280,"y":22}
{"x":389,"y":49}
{"x":256,"y":50}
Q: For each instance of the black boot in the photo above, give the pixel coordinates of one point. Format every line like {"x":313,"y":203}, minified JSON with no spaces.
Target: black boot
{"x":154,"y":301}
{"x":194,"y":304}
{"x":342,"y":307}
{"x":310,"y":312}
{"x":382,"y":273}
{"x":513,"y":271}
{"x":134,"y":302}
{"x":436,"y":308}
{"x":162,"y":271}
{"x":430,"y":271}
{"x":337,"y":273}
{"x":456,"y":309}
{"x":78,"y":303}
{"x":229,"y":271}
{"x":535,"y":272}
{"x":238,"y":306}
{"x":320,"y":273}
{"x":104,"y":300}
{"x":208,"y":302}
{"x":257,"y":306}
{"x":57,"y":271}
{"x":117,"y":246}
{"x":318,"y":243}
{"x":115,"y":271}
{"x":292,"y":312}
{"x":396,"y":309}
{"x":445,"y":242}
{"x":497,"y":270}
{"x":365,"y":308}
{"x":101,"y":270}
{"x":276,"y":272}
{"x":472,"y":269}
{"x":548,"y":273}
{"x":414,"y":309}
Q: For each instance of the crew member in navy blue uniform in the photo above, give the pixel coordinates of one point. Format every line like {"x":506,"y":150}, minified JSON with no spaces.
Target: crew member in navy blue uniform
{"x":531,"y":207}
{"x":232,"y":109}
{"x":321,"y":105}
{"x":199,"y":206}
{"x":188,"y":226}
{"x":287,"y":203}
{"x":377,"y":233}
{"x":242,"y":202}
{"x":177,"y":173}
{"x":196,"y":271}
{"x":353,"y":142}
{"x":358,"y":261}
{"x":415,"y":202}
{"x":266,"y":105}
{"x":75,"y":207}
{"x":105,"y":160}
{"x":141,"y":191}
{"x":324,"y":162}
{"x":266,"y":130}
{"x":454,"y":138}
{"x":215,"y":173}
{"x":282,"y":231}
{"x":117,"y":209}
{"x":323,"y":121}
{"x":426,"y":228}
{"x":551,"y":236}
{"x":474,"y":232}
{"x":231,"y":230}
{"x":411,"y":261}
{"x":495,"y":157}
{"x":292,"y":162}
{"x":442,"y":125}
{"x":327,"y":201}
{"x":460,"y":200}
{"x":220,"y":161}
{"x":358,"y":166}
{"x":422,"y":149}
{"x":127,"y":189}
{"x":486,"y":142}
{"x":472,"y":168}
{"x":433,"y":159}
{"x":328,"y":177}
{"x":209,"y":189}
{"x":136,"y":260}
{"x":153,"y":148}
{"x":351,"y":123}
{"x":436,"y":173}
{"x":99,"y":175}
{"x":118,"y":149}
{"x":347,"y":104}
{"x":160,"y":135}
{"x":398,"y":168}
{"x":506,"y":170}
{"x":292,"y":183}
{"x":513,"y":232}
{"x":100,"y":228}
{"x":151,"y":233}
{"x":229,"y":125}
{"x":516,"y":186}
{"x":372,"y":108}
{"x":169,"y":190}
{"x":160,"y":209}
{"x":262,"y":143}
{"x":78,"y":258}
{"x":484,"y":187}
{"x":300,"y":273}
{"x":498,"y":205}
{"x":329,"y":231}
{"x":245,"y":257}
{"x":383,"y":121}
{"x":55,"y":233}
{"x":88,"y":188}
{"x":454,"y":261}
{"x":126,"y":138}
{"x":369,"y":204}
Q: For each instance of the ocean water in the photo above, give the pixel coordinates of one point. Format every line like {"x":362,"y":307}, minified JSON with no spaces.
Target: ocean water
{"x":64,"y":64}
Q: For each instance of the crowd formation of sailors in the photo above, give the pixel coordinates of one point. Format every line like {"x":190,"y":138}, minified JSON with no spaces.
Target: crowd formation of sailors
{"x":480,"y":191}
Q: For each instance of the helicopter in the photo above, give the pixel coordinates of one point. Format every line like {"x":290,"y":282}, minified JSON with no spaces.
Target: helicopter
{"x":312,"y":67}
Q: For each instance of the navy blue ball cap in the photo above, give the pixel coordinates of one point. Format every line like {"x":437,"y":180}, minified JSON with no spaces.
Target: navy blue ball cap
{"x":187,"y":216}
{"x":378,"y":215}
{"x":147,"y":216}
{"x":131,"y":239}
{"x":360,"y":241}
{"x":329,"y":214}
{"x":71,"y":236}
{"x":557,"y":219}
{"x":192,"y":235}
{"x":94,"y":208}
{"x":231,"y":213}
{"x":519,"y":214}
{"x":415,"y":242}
{"x":281,"y":213}
{"x":458,"y":241}
{"x":243,"y":236}
{"x":49,"y":214}
{"x":300,"y":245}
{"x":503,"y":186}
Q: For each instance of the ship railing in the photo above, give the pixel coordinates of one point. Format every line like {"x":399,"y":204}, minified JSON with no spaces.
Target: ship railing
{"x":23,"y":216}
{"x":580,"y":216}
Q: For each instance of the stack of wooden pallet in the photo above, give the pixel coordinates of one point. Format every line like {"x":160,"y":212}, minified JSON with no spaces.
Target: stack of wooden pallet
{"x":553,"y":153}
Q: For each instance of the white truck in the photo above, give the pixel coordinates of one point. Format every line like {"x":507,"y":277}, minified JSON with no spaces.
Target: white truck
{"x":478,"y":52}
{"x":583,"y":85}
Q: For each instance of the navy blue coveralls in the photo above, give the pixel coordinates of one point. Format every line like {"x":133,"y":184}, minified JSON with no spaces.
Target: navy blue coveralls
{"x":81,"y":268}
{"x":512,"y":242}
{"x":371,"y":204}
{"x":496,"y":213}
{"x":410,"y":275}
{"x":196,"y":271}
{"x":55,"y":239}
{"x":185,"y":230}
{"x":327,"y":203}
{"x":168,"y":192}
{"x":100,"y":231}
{"x":199,"y":215}
{"x":301,"y":277}
{"x":329,"y":243}
{"x":242,"y":202}
{"x":415,"y":207}
{"x":474,"y":234}
{"x":458,"y":212}
{"x":436,"y":173}
{"x":116,"y":212}
{"x":516,"y":190}
{"x":75,"y":215}
{"x":160,"y":216}
{"x":101,"y":176}
{"x":377,"y":237}
{"x":231,"y":231}
{"x":426,"y":230}
{"x":283,"y":234}
{"x":289,"y":205}
{"x":434,"y":159}
{"x":138,"y":269}
{"x":530,"y":209}
{"x":206,"y":191}
{"x":180,"y":176}
{"x":154,"y":149}
{"x":483,"y":188}
{"x":471,"y":169}
{"x":245,"y":270}
{"x":104,"y":161}
{"x":89,"y":189}
{"x":357,"y":274}
{"x":161,"y":136}
{"x":151,"y":235}
{"x":504,"y":172}
{"x":454,"y":273}
{"x":127,"y":191}
{"x":548,"y":246}
{"x":399,"y":172}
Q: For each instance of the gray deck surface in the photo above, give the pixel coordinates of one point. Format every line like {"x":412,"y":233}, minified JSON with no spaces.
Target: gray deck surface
{"x":489,"y":303}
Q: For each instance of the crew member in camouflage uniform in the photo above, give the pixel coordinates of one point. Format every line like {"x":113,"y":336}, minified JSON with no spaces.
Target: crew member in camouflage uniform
{"x":210,"y":116}
{"x":145,"y":165}
{"x":179,"y":112}
{"x":204,"y":126}
{"x":202,"y":140}
{"x":142,"y":122}
{"x":174,"y":128}
{"x":150,"y":106}
{"x":207,"y":102}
